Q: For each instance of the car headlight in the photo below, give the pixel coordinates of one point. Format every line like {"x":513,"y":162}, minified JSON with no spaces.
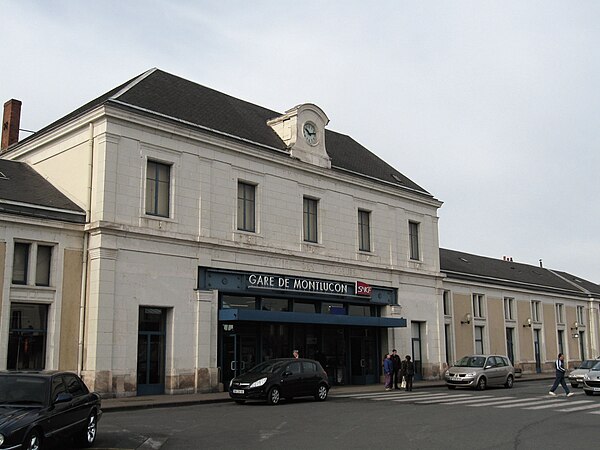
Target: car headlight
{"x":470,"y":375}
{"x":446,"y":373}
{"x":230,"y":382}
{"x":586,"y":377}
{"x":1,"y":439}
{"x":258,"y":383}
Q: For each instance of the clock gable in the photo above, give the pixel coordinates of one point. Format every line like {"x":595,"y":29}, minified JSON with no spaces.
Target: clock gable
{"x":302,"y":128}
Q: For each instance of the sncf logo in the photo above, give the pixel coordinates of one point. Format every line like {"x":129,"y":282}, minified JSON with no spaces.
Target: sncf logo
{"x":363,"y":288}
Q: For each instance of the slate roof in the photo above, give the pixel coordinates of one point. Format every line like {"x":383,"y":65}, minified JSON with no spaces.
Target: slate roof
{"x":25,"y":192}
{"x":466,"y":266}
{"x":158,"y":93}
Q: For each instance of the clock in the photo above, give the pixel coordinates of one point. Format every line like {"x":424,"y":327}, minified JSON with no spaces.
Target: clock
{"x":309,"y":130}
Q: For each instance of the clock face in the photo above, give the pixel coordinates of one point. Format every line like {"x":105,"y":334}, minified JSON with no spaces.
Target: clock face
{"x":309,"y":130}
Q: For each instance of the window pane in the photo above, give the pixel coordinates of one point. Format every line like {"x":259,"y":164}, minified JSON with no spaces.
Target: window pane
{"x":275,"y":304}
{"x":42,"y":271}
{"x":27,"y":337}
{"x":233,"y":302}
{"x":310,"y":219}
{"x":246,"y":207}
{"x":20,"y":263}
{"x":305,"y":307}
{"x":364,"y":231}
{"x":359,"y":310}
{"x":413,"y":230}
{"x":158,"y":181}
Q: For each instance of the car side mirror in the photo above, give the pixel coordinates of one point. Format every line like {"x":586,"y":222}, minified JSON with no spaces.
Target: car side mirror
{"x":63,"y":397}
{"x":489,"y":366}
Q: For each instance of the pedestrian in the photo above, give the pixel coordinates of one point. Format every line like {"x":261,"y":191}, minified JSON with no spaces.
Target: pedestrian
{"x":296,"y":354}
{"x":408,"y":372}
{"x":388,"y":367}
{"x":397,"y":363}
{"x":559,"y":365}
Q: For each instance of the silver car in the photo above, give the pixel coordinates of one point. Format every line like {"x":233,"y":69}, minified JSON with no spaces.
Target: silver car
{"x":480,"y":371}
{"x":591,"y":380}
{"x":576,"y":375}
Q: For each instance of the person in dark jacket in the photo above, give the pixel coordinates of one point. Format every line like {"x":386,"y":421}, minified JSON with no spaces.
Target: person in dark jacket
{"x":408,"y":371}
{"x":559,"y":365}
{"x":388,"y":367}
{"x":397,"y":365}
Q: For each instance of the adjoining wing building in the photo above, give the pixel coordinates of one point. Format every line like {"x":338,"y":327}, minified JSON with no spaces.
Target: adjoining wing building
{"x":164,"y":237}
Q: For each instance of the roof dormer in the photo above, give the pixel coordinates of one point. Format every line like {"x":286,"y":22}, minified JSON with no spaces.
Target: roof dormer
{"x":302,"y":128}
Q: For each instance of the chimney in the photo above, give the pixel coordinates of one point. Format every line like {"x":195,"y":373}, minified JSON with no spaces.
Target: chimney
{"x":541,"y":264}
{"x":10,"y":123}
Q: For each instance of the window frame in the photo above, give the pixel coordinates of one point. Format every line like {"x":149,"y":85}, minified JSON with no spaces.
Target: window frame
{"x":23,"y":266}
{"x":364,"y":230}
{"x":536,"y":310}
{"x":310,"y":219}
{"x":246,"y":206}
{"x":413,"y":240}
{"x":560,"y":316}
{"x":154,"y":191}
{"x":478,"y":304}
{"x":479,"y":339}
{"x":509,"y":308}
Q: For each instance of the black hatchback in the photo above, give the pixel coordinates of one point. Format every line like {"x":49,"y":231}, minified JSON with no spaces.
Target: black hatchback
{"x":281,"y":378}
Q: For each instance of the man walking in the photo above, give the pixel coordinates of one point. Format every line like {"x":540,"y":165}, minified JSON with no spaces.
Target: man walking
{"x":560,"y":376}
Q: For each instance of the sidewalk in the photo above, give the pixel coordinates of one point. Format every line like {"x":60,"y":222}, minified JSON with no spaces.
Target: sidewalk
{"x":161,"y":401}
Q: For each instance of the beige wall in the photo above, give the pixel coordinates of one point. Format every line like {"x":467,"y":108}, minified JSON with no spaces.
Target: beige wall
{"x":550,"y":336}
{"x":496,"y":333}
{"x":572,"y":343}
{"x":464,"y":333}
{"x":69,"y":317}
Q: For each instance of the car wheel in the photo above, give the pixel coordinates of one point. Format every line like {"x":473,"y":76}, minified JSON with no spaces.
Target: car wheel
{"x":88,"y":435}
{"x":33,"y":441}
{"x":451,"y":387}
{"x":240,"y":402}
{"x":574,"y":385}
{"x":274,"y":396}
{"x":589,"y":392}
{"x":321,"y":394}
{"x":481,"y":384}
{"x":509,"y":382}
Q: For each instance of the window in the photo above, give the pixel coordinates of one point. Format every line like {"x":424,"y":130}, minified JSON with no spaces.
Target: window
{"x":364,"y":230}
{"x":509,"y":305}
{"x":275,"y":304}
{"x":74,"y":386}
{"x":448,"y":336}
{"x":359,"y":310}
{"x":510,"y":344}
{"x":20,"y":263}
{"x":580,"y":315}
{"x":413,"y":234}
{"x":478,"y":305}
{"x":234,"y":302}
{"x":27,"y":337}
{"x":447,"y":305}
{"x":479,"y":340}
{"x":305,"y":307}
{"x":560,"y":317}
{"x":561,"y":341}
{"x":535,"y":311}
{"x":158,"y":184}
{"x":333,"y":308}
{"x":310,"y":209}
{"x":246,"y":207}
{"x":582,"y":344}
{"x":42,"y":270}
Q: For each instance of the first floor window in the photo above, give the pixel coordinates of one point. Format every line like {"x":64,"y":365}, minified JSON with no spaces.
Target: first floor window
{"x":479,"y":340}
{"x":536,"y":308}
{"x":478,"y":305}
{"x":413,"y":234}
{"x":42,"y":266}
{"x":447,"y":305}
{"x":20,"y":263}
{"x":310,"y":211}
{"x":158,"y":183}
{"x":364,"y":230}
{"x":246,"y":207}
{"x":580,"y":315}
{"x":27,"y":337}
{"x":509,"y":308}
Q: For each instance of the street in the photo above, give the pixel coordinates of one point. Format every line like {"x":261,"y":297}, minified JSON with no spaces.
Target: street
{"x":524,"y":417}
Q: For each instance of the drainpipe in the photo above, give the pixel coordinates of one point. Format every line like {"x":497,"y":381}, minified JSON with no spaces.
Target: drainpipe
{"x":84,"y":261}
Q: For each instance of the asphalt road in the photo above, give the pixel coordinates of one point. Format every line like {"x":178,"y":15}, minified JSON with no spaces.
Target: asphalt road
{"x":524,"y":417}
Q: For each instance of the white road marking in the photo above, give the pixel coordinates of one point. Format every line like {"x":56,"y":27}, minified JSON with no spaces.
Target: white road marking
{"x":581,"y":408}
{"x":553,"y":406}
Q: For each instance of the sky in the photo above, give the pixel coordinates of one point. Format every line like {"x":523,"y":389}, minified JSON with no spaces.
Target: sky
{"x":491,"y":106}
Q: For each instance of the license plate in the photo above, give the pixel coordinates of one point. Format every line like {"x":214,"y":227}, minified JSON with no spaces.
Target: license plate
{"x":455,"y":378}
{"x":596,"y":389}
{"x":238,"y":391}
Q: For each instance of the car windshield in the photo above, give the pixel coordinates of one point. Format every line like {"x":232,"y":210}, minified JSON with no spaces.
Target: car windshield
{"x":22,"y":390}
{"x":596,"y":366}
{"x":471,"y":361}
{"x":266,"y":367}
{"x":588,"y":364}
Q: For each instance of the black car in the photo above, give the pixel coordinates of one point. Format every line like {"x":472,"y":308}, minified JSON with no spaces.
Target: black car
{"x":39,"y":408}
{"x":281,"y":378}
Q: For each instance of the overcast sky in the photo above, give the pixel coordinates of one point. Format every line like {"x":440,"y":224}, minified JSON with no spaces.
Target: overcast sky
{"x":492,"y":106}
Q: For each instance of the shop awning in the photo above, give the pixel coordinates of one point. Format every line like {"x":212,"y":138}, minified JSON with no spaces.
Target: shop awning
{"x":253,"y":315}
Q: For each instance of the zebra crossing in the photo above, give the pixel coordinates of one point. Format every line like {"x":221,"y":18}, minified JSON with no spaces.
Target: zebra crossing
{"x":478,"y":400}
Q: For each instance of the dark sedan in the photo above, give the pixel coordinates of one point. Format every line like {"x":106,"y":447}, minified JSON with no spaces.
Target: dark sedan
{"x":39,"y":408}
{"x":281,"y":378}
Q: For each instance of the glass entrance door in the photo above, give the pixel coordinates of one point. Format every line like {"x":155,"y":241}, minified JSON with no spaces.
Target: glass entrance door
{"x":239,"y":352}
{"x":151,"y":352}
{"x":363,"y":358}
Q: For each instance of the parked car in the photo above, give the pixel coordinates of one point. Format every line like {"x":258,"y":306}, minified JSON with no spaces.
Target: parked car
{"x":480,"y":371}
{"x":576,"y":375}
{"x":281,"y":378}
{"x":591,"y":380}
{"x":37,"y":408}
